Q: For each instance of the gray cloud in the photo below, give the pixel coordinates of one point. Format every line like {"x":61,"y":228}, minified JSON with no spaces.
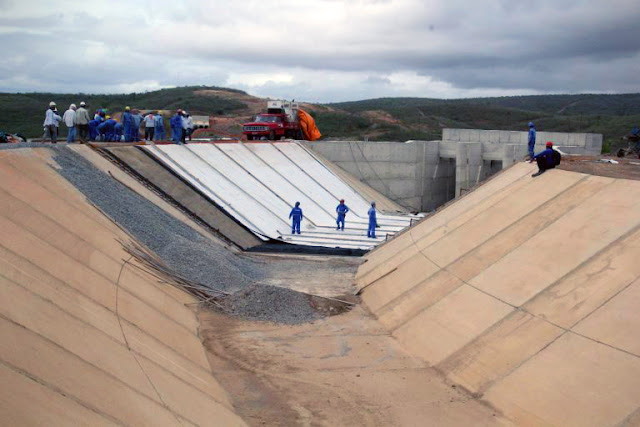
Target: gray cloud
{"x":327,"y":50}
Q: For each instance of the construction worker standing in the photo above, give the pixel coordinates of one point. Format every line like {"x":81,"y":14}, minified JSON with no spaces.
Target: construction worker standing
{"x":532,"y":139}
{"x":149,"y":126}
{"x":296,"y":214}
{"x":185,"y":126}
{"x":373,"y":222}
{"x":160,"y":133}
{"x":127,"y":124}
{"x":176,"y":127}
{"x":82,"y":122}
{"x":51,"y":123}
{"x":137,"y":119}
{"x":342,"y":210}
{"x":69,"y":119}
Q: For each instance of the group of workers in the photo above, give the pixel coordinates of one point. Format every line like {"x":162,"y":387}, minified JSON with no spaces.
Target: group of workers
{"x":546,"y":159}
{"x":181,"y":126}
{"x":103,"y":127}
{"x":296,"y":216}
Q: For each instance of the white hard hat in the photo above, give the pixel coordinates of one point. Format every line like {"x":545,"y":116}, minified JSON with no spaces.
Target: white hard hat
{"x":52,"y":104}
{"x":184,"y":112}
{"x":82,"y":104}
{"x":72,"y":106}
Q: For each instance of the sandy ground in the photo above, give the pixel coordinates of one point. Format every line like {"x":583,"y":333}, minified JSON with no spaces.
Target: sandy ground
{"x":342,"y":370}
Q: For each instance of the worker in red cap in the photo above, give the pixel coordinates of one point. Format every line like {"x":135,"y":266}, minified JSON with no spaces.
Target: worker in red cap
{"x":342,"y":210}
{"x":547,"y":159}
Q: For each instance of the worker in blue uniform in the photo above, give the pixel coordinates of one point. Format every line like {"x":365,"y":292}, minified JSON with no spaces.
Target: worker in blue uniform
{"x":296,"y":216}
{"x":127,"y":124}
{"x":93,"y":129}
{"x":159,"y":131}
{"x":102,"y":131}
{"x":547,"y":159}
{"x":135,"y":131}
{"x":341,"y":210}
{"x":532,"y":139}
{"x":176,"y":127}
{"x":373,"y":222}
{"x":117,"y":132}
{"x":111,"y":132}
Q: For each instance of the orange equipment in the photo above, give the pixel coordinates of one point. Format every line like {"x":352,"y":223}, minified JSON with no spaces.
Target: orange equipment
{"x":308,"y":125}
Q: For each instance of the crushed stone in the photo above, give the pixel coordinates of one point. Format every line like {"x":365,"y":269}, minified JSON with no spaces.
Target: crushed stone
{"x":196,"y":257}
{"x":270,"y":304}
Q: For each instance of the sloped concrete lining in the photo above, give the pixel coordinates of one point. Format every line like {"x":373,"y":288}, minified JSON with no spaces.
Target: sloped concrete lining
{"x":181,"y":192}
{"x":525,"y":293}
{"x":89,"y":338}
{"x":258,"y":184}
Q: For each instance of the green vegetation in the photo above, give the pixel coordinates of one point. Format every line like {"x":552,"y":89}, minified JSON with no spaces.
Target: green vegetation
{"x":611,"y":115}
{"x":388,"y":119}
{"x":24,"y":112}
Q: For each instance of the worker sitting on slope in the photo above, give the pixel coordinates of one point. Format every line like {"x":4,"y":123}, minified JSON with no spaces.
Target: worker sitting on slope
{"x":296,"y":214}
{"x":547,"y":159}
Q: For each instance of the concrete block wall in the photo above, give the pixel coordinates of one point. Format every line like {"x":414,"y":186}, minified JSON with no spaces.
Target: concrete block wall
{"x":394,"y":169}
{"x":423,"y":175}
{"x":589,"y":144}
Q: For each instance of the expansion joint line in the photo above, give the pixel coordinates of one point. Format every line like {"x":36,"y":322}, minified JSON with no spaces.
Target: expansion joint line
{"x":126,"y":341}
{"x":520,"y":308}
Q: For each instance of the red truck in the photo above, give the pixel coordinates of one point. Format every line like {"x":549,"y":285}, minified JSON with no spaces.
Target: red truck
{"x":280,"y":121}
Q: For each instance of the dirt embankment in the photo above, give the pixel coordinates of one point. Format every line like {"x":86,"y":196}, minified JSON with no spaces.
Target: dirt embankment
{"x":625,"y":168}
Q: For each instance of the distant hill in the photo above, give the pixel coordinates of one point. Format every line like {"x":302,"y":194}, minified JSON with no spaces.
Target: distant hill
{"x":24,"y":112}
{"x":391,"y":119}
{"x":611,"y":115}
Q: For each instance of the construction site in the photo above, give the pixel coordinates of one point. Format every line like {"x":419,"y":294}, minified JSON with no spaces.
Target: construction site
{"x":160,"y":284}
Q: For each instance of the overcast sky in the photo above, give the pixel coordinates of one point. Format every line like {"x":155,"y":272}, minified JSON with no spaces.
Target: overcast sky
{"x":323,"y":50}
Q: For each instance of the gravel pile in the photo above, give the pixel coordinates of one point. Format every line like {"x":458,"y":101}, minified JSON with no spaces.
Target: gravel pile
{"x":192,"y":255}
{"x":271,"y":304}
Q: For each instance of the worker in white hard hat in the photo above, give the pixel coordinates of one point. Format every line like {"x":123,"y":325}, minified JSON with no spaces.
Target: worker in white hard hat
{"x":69,"y":119}
{"x":185,"y":126}
{"x":50,"y":123}
{"x":82,"y":122}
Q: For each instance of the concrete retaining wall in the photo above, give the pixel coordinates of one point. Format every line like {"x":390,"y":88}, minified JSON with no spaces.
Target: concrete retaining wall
{"x":423,"y":175}
{"x":589,"y":144}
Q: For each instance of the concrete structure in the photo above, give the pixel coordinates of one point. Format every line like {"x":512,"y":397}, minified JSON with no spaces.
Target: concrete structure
{"x":195,"y":202}
{"x":525,"y":293}
{"x":88,"y":337}
{"x":258,"y":184}
{"x":423,"y":175}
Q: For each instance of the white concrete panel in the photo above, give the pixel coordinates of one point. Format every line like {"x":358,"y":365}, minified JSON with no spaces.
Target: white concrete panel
{"x":209,"y":182}
{"x":258,"y":184}
{"x":313,"y":211}
{"x":334,"y":185}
